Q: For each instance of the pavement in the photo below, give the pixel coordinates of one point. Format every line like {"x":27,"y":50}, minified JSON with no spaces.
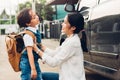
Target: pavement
{"x":6,"y":71}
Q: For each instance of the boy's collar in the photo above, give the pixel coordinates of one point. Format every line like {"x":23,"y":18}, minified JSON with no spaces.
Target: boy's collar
{"x":32,"y":29}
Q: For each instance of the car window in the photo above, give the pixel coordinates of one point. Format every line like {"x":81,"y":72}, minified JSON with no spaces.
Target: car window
{"x":87,"y":3}
{"x":105,"y":27}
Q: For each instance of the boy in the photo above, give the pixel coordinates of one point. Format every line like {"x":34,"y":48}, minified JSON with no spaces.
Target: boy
{"x":29,"y":60}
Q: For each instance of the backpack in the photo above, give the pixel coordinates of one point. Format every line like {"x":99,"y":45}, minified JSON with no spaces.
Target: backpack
{"x":15,"y":48}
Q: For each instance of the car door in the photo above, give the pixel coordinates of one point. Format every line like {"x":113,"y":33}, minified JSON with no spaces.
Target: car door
{"x":104,"y":35}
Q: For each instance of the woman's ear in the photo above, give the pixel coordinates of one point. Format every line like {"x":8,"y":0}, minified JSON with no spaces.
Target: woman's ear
{"x":73,"y":28}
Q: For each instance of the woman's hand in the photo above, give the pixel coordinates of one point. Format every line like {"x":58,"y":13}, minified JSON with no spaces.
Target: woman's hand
{"x":37,"y":50}
{"x":43,"y":47}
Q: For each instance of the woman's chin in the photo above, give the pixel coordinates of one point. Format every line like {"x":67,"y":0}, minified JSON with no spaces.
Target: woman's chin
{"x":62,"y":31}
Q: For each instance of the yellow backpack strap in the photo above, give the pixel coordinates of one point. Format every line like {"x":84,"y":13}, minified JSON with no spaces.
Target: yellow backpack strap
{"x":31,"y":34}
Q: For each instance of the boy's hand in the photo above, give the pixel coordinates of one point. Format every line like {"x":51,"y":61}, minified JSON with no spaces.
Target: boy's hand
{"x":33,"y":74}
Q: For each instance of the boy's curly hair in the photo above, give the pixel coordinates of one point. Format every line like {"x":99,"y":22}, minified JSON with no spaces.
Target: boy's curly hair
{"x":24,"y":17}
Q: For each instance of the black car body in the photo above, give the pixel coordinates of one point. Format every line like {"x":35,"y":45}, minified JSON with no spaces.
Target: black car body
{"x":103,"y":38}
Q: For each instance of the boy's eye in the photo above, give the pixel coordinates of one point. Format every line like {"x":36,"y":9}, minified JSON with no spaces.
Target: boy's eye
{"x":34,"y":17}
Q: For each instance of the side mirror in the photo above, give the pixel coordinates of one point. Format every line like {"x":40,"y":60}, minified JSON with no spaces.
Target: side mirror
{"x":69,"y":7}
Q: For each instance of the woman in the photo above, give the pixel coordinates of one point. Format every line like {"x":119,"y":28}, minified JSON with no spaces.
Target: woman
{"x":69,"y":56}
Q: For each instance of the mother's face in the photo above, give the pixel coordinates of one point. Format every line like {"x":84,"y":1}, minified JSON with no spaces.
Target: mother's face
{"x":66,"y":27}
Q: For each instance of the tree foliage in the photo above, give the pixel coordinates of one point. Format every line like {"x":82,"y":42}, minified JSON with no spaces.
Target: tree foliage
{"x":44,"y":11}
{"x":26,"y":5}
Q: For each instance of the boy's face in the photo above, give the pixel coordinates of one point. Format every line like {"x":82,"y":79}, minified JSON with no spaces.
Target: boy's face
{"x":34,"y":20}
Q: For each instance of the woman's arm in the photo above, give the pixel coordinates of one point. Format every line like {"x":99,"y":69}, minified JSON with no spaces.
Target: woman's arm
{"x":61,"y":55}
{"x":46,"y":50}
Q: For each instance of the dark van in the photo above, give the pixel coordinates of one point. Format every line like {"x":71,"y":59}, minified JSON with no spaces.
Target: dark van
{"x":103,"y":37}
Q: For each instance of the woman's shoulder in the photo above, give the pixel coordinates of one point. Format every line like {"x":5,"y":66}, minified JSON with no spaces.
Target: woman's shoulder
{"x":75,"y":41}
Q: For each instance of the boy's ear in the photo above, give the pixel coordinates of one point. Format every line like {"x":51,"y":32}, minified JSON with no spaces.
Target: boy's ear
{"x":28,"y":24}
